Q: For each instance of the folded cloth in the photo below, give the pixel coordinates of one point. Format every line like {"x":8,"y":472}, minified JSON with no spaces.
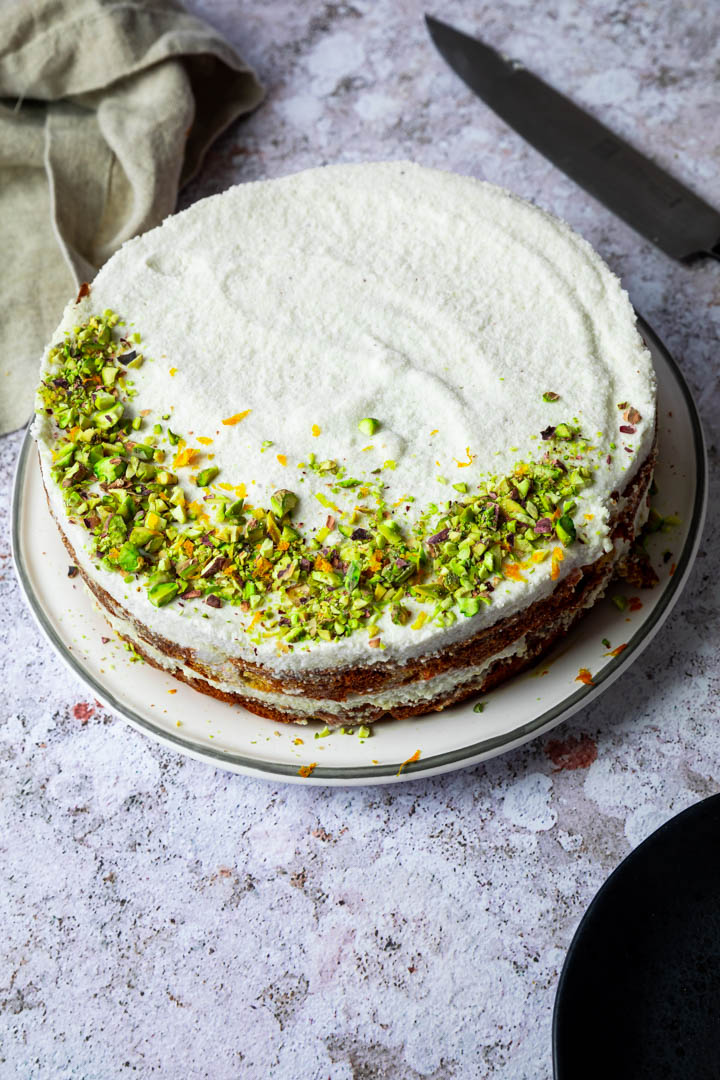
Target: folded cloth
{"x":106,"y":108}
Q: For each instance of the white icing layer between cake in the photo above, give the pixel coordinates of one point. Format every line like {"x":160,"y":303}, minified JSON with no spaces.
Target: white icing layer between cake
{"x":305,"y":708}
{"x":442,"y":306}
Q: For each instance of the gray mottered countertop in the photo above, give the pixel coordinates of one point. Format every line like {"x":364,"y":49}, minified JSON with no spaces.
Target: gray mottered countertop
{"x":160,"y":918}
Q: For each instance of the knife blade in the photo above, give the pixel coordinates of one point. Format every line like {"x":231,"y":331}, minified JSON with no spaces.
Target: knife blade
{"x":654,"y":203}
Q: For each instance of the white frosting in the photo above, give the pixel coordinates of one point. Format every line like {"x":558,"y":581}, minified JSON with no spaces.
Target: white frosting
{"x":430,"y":301}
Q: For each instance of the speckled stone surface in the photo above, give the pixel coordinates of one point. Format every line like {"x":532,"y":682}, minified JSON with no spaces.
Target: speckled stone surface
{"x":160,"y":918}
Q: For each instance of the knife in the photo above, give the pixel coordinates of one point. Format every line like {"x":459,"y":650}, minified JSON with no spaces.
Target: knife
{"x":633,"y":187}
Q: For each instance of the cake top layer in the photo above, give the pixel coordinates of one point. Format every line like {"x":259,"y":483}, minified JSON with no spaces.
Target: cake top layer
{"x":464,"y":322}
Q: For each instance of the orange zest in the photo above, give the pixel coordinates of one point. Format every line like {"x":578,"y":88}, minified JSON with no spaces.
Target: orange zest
{"x":409,"y":761}
{"x":232,"y":420}
{"x":464,"y":464}
{"x":185,"y":456}
{"x":197,"y":509}
{"x":239,"y":489}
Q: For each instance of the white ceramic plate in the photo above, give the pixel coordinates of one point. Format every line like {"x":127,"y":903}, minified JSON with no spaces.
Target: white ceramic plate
{"x":531,"y":703}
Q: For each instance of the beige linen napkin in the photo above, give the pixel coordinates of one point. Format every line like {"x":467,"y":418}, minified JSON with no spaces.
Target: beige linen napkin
{"x":106,"y":108}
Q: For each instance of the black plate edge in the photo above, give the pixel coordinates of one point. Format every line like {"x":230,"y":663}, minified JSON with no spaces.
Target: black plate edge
{"x":689,"y":812}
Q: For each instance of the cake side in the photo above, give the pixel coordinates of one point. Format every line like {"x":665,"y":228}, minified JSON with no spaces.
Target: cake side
{"x":394,"y":690}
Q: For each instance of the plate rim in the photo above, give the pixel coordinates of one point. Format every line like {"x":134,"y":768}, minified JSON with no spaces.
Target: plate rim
{"x":450,"y":760}
{"x":690,"y":813}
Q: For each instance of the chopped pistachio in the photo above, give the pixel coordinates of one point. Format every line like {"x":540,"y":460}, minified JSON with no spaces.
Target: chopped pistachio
{"x":368,"y":425}
{"x":352,"y":575}
{"x":283,"y":502}
{"x":129,"y":558}
{"x":565,"y":529}
{"x":206,"y":476}
{"x":143,"y":451}
{"x":235,"y":509}
{"x":153,"y":521}
{"x":108,"y":417}
{"x":141,"y":535}
{"x":162,"y":593}
{"x":390,"y":530}
{"x":109,"y":469}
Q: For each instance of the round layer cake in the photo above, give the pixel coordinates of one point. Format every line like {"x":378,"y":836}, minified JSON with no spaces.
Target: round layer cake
{"x":352,"y":444}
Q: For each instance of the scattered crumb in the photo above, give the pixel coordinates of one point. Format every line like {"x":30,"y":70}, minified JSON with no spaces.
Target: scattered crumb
{"x":409,"y":761}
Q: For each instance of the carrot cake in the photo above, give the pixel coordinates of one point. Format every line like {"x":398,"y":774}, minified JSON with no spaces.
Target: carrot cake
{"x":356,"y":443}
